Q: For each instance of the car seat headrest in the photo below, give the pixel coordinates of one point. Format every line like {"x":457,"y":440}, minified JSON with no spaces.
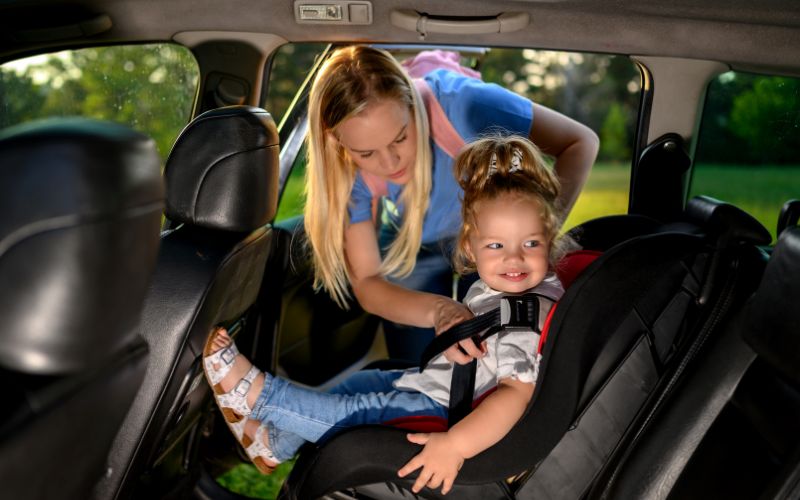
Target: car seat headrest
{"x":725,"y":221}
{"x":222,"y":172}
{"x":772,"y":325}
{"x":81,"y":203}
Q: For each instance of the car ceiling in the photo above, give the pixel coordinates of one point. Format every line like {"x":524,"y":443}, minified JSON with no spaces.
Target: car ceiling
{"x":747,"y":35}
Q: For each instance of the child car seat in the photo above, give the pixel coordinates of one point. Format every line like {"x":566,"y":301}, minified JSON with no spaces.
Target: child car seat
{"x":616,"y":333}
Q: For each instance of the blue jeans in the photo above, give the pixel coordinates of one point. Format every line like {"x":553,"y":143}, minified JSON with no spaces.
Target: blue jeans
{"x":294,"y":415}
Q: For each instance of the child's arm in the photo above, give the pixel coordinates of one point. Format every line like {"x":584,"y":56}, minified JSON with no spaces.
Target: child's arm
{"x":445,"y":452}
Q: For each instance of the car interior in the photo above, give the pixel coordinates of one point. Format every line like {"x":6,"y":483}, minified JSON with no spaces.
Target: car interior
{"x":670,"y":369}
{"x":72,"y":355}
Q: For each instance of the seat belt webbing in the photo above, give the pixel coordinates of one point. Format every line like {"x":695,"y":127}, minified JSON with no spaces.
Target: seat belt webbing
{"x":517,"y":311}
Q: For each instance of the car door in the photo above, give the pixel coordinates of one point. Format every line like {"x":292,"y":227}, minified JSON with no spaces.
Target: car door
{"x":306,"y":336}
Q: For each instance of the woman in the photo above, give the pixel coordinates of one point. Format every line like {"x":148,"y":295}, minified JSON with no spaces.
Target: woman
{"x":366,"y":117}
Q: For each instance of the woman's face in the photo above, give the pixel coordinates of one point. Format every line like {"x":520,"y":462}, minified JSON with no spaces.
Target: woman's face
{"x":508,"y":244}
{"x":382,"y":140}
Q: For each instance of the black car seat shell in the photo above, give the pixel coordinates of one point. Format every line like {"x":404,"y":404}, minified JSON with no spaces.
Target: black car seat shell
{"x":221,"y":192}
{"x":81,"y":203}
{"x":614,"y":332}
{"x":639,"y":366}
{"x":730,"y":428}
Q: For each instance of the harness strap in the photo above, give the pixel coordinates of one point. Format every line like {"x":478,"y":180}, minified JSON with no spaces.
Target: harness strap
{"x":515,"y":311}
{"x":457,"y":333}
{"x":462,"y":385}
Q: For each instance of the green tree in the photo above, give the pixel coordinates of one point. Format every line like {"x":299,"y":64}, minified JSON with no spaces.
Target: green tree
{"x":715,"y":136}
{"x":149,"y":88}
{"x":20,"y":98}
{"x":615,"y":144}
{"x":766,"y":119}
{"x":290,"y":67}
{"x":582,"y":86}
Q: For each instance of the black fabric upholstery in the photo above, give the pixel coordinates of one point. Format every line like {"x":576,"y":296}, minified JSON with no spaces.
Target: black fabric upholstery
{"x":604,"y":232}
{"x":209,"y":272}
{"x":82,"y":203}
{"x":729,"y":430}
{"x":226,"y":158}
{"x":678,"y":322}
{"x":726,"y":221}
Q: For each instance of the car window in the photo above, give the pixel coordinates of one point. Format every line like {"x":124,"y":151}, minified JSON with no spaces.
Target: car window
{"x":290,"y":67}
{"x":601,"y":91}
{"x":150,"y":88}
{"x":748,"y":145}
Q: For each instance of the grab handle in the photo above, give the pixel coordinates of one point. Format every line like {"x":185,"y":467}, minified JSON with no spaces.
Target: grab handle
{"x":452,"y":25}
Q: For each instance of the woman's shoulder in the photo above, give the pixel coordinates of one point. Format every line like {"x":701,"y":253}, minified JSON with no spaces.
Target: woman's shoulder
{"x":475,"y":107}
{"x":446,"y":82}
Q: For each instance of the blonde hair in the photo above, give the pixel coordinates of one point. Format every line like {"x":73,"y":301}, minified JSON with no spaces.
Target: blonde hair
{"x":347,"y":83}
{"x":533,"y":179}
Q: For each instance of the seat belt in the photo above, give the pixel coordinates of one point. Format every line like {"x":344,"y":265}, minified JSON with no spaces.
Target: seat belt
{"x":515,"y":312}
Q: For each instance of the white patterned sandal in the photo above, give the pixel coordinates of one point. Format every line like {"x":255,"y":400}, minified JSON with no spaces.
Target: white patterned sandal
{"x":233,"y":404}
{"x":259,"y":453}
{"x":216,"y":365}
{"x":254,"y":447}
{"x":223,"y":358}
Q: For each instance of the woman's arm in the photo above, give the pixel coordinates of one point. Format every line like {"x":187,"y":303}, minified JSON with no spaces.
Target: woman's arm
{"x":445,"y":452}
{"x":393,"y":302}
{"x":573,"y":145}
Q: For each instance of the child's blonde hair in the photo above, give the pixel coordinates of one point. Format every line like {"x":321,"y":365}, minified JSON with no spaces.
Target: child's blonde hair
{"x":484,"y":171}
{"x":349,"y":81}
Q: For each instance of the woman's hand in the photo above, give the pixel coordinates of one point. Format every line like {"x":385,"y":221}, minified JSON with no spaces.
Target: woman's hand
{"x":439,"y":459}
{"x":448,"y":313}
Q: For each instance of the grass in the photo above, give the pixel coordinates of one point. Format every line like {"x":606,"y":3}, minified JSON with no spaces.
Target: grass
{"x":760,"y":191}
{"x":246,"y":480}
{"x":606,"y":193}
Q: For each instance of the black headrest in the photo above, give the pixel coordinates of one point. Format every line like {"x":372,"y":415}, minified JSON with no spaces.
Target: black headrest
{"x":725,"y":221}
{"x":222,"y":172}
{"x":81,"y":203}
{"x":772,"y":324}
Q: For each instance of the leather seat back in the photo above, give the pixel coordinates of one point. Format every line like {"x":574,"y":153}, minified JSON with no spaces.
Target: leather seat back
{"x":222,"y":178}
{"x":81,"y":203}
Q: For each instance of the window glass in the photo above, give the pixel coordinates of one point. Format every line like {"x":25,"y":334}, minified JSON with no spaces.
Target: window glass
{"x":290,"y":67}
{"x":150,"y":88}
{"x":748,"y":146}
{"x":600,"y":91}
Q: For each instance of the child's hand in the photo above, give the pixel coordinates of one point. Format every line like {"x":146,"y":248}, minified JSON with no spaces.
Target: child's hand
{"x":448,"y":313}
{"x":439,"y":460}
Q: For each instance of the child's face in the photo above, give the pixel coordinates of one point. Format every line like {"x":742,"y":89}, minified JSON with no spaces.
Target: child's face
{"x":508,"y":245}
